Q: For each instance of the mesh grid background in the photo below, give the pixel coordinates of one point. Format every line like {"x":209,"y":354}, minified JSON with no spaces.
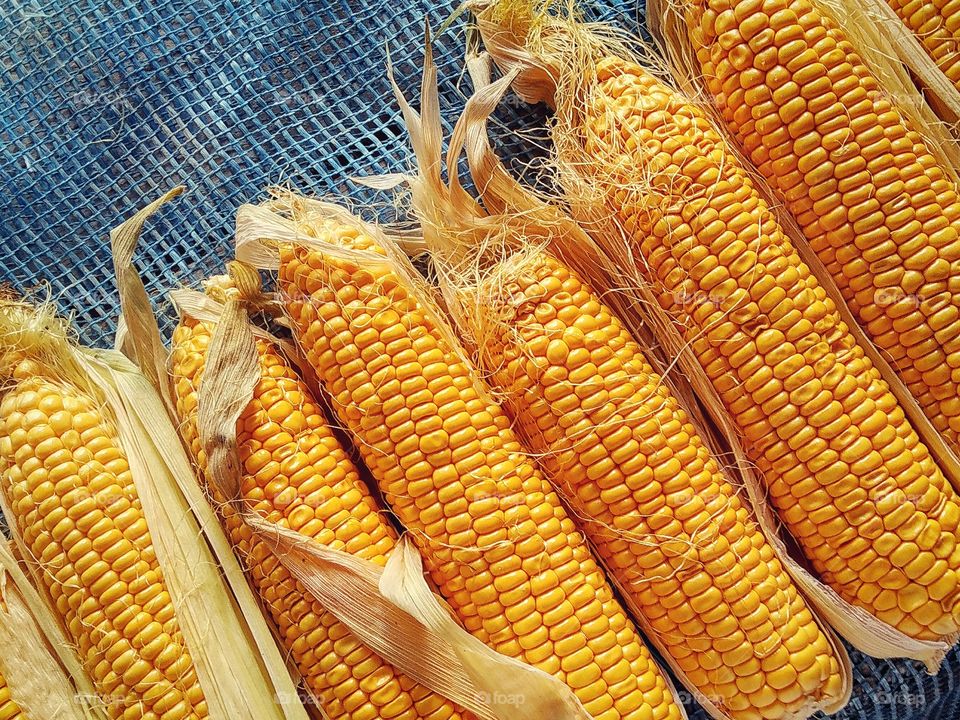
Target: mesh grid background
{"x":103,"y":106}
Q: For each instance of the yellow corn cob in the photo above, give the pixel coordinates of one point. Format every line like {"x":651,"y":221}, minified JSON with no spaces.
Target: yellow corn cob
{"x":74,"y":502}
{"x":493,"y":534}
{"x":937,"y":26}
{"x":878,"y":209}
{"x":844,"y":468}
{"x":9,"y":710}
{"x":297,"y":474}
{"x":652,"y":499}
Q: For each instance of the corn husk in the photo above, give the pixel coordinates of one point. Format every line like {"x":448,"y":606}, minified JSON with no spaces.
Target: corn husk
{"x":476,"y":251}
{"x":43,"y":674}
{"x":237,"y":680}
{"x":569,"y":51}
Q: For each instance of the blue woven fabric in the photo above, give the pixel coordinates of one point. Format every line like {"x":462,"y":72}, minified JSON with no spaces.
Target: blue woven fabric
{"x":106,"y":105}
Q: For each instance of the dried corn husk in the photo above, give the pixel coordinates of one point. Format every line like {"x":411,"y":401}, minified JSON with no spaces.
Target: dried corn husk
{"x":559,"y":51}
{"x":43,"y":674}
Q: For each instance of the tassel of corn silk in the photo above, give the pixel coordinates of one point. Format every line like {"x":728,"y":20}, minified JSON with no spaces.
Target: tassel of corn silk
{"x":690,"y":560}
{"x":646,"y":173}
{"x":40,"y":675}
{"x":295,"y":473}
{"x":495,"y":537}
{"x":843,"y":149}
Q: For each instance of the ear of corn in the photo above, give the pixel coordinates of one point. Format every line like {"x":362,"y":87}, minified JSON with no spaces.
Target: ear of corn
{"x":686,"y":553}
{"x":844,"y":469}
{"x":877,"y":207}
{"x":75,"y":506}
{"x":297,"y":474}
{"x":104,"y":507}
{"x":493,"y":534}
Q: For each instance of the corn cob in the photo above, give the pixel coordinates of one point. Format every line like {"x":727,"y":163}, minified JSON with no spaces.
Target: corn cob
{"x":844,"y":469}
{"x":654,"y":503}
{"x":937,"y":27}
{"x":298,"y":475}
{"x":876,"y":206}
{"x":75,"y":505}
{"x":9,"y":710}
{"x":493,"y":534}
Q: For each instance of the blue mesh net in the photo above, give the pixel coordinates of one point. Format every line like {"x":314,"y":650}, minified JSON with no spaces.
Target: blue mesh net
{"x":106,"y":105}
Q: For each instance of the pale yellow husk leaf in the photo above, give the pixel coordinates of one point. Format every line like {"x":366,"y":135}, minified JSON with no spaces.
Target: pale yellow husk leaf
{"x":238,"y":657}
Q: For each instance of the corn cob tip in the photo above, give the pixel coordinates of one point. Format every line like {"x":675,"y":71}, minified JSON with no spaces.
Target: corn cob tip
{"x":552,"y":46}
{"x":520,"y":34}
{"x":32,"y":336}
